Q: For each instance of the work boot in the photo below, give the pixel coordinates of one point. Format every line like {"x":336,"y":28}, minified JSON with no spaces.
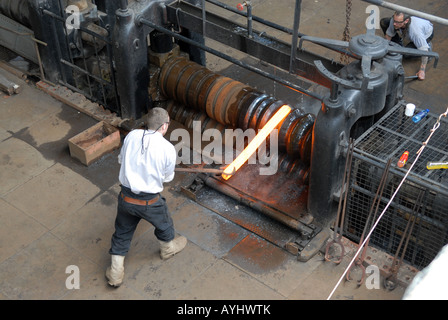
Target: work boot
{"x":170,"y":248}
{"x":115,"y":273}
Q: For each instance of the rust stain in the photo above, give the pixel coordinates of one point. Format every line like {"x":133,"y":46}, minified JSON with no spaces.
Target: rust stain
{"x":257,"y":255}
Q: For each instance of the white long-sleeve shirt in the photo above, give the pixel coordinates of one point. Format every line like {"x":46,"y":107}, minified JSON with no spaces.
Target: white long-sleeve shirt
{"x":147,"y":170}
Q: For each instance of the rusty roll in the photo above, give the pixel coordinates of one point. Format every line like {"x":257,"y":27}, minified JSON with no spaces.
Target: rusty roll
{"x":187,"y":117}
{"x":233,"y":103}
{"x":199,"y":88}
{"x":297,"y":132}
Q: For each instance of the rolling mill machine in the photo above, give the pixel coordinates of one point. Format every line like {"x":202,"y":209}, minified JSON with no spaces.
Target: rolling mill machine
{"x":130,"y":56}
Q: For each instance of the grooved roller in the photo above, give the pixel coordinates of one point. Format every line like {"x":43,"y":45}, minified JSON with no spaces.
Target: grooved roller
{"x":232,"y":103}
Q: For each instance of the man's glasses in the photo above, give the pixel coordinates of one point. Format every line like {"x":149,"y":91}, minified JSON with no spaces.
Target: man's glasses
{"x":398,"y":22}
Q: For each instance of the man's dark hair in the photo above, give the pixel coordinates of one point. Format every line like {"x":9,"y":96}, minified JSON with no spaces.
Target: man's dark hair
{"x":405,"y":15}
{"x":156,"y":117}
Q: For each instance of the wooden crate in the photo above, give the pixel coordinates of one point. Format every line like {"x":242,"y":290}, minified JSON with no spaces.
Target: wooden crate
{"x":91,"y":144}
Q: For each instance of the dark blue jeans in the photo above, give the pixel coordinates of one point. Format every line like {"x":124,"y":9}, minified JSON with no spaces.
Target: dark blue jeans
{"x":129,"y":215}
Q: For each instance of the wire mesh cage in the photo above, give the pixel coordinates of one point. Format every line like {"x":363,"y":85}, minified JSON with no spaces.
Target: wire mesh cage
{"x":415,"y":224}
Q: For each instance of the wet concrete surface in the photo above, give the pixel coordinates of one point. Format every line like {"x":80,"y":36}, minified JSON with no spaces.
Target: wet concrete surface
{"x":57,"y":212}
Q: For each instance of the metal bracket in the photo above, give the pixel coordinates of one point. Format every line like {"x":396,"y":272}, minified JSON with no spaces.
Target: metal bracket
{"x":193,"y":186}
{"x":305,"y":246}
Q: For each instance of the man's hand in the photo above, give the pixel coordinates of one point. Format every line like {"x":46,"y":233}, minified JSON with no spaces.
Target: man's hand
{"x":421,"y":74}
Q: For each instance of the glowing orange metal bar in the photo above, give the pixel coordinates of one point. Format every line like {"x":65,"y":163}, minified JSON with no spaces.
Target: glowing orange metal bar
{"x":256,"y":142}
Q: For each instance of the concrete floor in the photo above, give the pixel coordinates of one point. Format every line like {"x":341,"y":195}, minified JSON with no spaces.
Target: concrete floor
{"x":56,"y":212}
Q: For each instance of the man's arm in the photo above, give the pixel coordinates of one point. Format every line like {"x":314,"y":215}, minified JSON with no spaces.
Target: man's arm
{"x":418,"y":37}
{"x":422,"y":71}
{"x":171,"y":158}
{"x":390,"y":31}
{"x":422,"y":45}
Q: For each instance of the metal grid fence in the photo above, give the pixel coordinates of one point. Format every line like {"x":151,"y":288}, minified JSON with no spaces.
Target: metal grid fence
{"x":85,"y":56}
{"x":389,"y":138}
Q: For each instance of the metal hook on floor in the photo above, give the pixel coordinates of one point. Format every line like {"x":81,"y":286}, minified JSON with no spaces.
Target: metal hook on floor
{"x":391,"y":281}
{"x":340,"y":217}
{"x":370,"y":221}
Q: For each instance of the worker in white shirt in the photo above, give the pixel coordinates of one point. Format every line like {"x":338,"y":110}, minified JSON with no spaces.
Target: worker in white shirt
{"x":147,"y":161}
{"x":417,"y":31}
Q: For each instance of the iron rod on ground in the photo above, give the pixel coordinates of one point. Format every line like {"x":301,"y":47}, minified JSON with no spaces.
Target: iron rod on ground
{"x":200,"y":170}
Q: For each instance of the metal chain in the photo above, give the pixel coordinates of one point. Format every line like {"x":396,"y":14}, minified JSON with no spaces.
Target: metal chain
{"x":346,"y":34}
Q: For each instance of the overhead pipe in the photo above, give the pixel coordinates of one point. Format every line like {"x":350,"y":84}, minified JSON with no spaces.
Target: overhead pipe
{"x":412,"y":12}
